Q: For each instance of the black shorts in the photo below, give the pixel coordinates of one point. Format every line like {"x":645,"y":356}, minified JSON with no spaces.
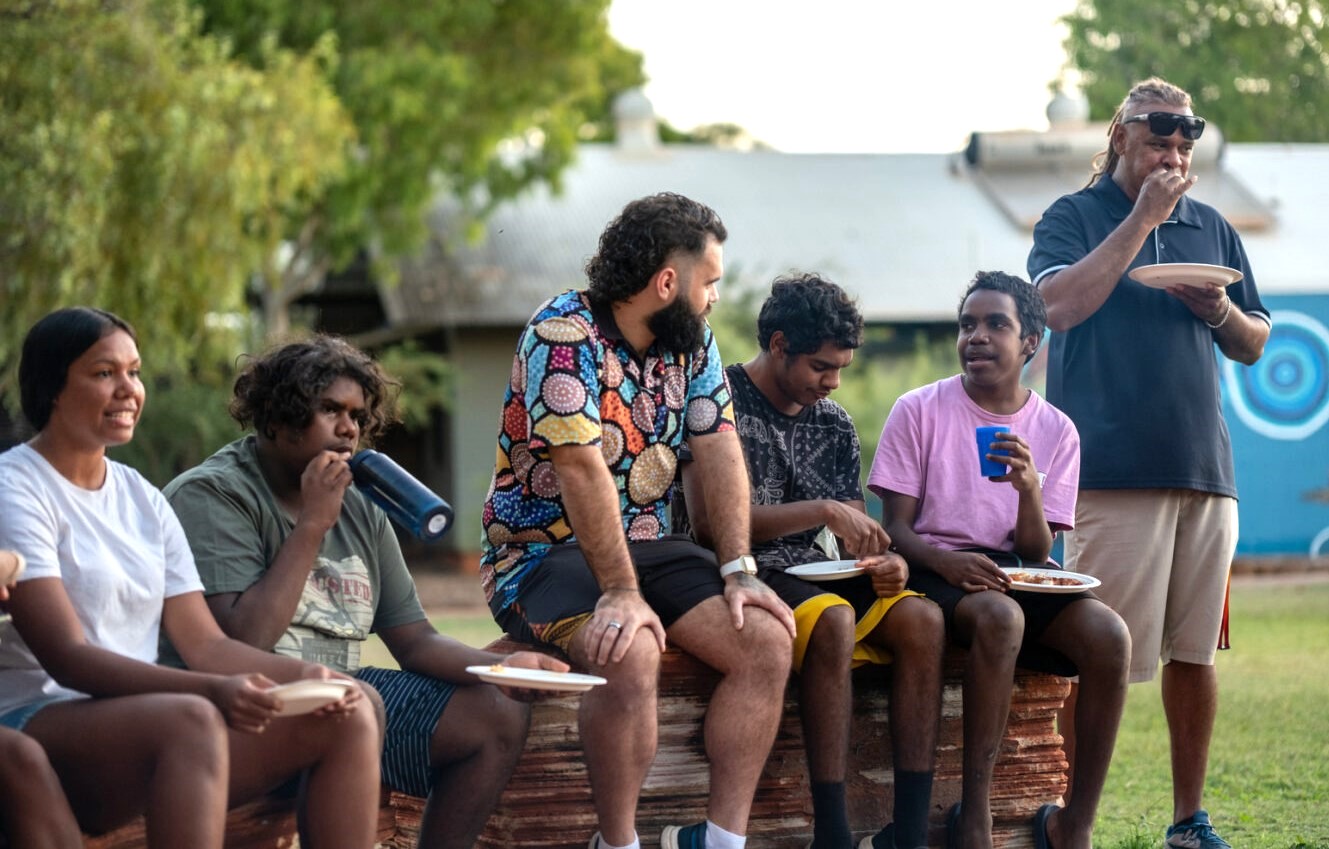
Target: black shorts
{"x":1039,"y":611}
{"x":554,"y":601}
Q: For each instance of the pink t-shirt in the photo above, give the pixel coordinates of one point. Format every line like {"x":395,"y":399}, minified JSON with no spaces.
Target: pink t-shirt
{"x":927,"y":451}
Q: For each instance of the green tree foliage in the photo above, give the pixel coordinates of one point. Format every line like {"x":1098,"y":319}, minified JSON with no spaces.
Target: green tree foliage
{"x":145,"y":171}
{"x":478,"y":98}
{"x":1259,"y":69}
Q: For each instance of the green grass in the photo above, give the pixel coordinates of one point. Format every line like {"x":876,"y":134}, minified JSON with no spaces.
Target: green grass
{"x":1268,"y":784}
{"x":472,"y":628}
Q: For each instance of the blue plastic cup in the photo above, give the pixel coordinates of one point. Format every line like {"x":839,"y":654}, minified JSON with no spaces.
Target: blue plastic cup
{"x":986,"y":435}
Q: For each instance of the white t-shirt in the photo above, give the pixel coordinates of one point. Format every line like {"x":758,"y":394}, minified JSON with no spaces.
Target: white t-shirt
{"x":119,"y":550}
{"x":928,"y":451}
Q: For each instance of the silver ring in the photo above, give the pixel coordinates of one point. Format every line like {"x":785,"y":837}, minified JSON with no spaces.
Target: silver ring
{"x":616,"y":625}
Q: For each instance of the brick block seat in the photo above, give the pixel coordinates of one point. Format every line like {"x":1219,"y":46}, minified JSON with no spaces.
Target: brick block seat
{"x":547,"y":805}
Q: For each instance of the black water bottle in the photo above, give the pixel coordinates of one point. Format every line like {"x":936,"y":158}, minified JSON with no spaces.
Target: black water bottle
{"x":412,"y":505}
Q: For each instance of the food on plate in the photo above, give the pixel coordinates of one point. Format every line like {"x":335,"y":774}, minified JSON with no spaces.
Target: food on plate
{"x":1045,"y":578}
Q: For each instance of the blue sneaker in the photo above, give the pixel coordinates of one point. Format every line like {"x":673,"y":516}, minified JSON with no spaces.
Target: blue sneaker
{"x":1196,"y":833}
{"x":684,"y":837}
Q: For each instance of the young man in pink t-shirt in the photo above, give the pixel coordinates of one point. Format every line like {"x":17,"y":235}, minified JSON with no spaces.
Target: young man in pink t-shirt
{"x":955,"y":526}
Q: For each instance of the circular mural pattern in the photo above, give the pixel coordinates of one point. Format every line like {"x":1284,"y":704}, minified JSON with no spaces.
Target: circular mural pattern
{"x":1286,"y":394}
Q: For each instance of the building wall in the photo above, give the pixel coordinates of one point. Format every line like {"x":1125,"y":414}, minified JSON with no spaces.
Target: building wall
{"x":482,"y":358}
{"x":1278,"y":413}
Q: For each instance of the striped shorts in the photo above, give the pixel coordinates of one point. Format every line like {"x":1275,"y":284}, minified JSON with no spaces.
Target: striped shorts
{"x":414,"y":704}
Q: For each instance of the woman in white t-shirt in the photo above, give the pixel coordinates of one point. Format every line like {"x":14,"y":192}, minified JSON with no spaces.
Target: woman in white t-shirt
{"x":108,"y":570}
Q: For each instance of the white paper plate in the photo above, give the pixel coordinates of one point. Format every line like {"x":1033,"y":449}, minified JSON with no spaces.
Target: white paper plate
{"x":535,"y":679}
{"x":1082,"y":582}
{"x":827,"y":570}
{"x":1197,"y":274}
{"x":308,"y":695}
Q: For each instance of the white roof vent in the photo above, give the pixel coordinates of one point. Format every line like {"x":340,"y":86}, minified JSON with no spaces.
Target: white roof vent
{"x":634,"y":122}
{"x":1068,"y":111}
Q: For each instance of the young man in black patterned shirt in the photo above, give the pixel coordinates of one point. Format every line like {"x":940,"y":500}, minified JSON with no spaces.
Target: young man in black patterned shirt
{"x":803,"y":460}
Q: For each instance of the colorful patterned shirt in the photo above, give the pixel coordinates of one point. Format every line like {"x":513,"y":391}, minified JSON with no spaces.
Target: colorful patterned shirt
{"x":576,"y":381}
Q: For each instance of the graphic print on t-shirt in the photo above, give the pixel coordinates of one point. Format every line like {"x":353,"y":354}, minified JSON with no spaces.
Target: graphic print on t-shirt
{"x":333,"y":617}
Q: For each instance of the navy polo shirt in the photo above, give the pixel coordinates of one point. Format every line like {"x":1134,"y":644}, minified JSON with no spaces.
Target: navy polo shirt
{"x":1140,"y":376}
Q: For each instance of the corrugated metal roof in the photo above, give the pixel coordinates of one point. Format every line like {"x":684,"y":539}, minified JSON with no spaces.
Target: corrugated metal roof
{"x":903,"y":232}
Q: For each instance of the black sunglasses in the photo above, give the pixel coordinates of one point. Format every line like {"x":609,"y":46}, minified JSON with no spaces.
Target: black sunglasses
{"x":1166,"y":123}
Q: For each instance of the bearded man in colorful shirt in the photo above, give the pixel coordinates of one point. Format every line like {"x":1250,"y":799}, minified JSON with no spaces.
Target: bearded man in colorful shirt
{"x":606,"y":386}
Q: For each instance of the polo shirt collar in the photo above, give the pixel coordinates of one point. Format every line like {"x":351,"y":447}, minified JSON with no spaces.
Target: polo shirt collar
{"x":604,"y":319}
{"x":1120,"y":206}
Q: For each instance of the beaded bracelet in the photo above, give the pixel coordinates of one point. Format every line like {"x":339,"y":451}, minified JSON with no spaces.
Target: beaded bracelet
{"x":1222,"y":321}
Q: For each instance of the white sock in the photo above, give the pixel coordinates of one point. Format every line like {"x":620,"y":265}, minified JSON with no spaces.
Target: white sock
{"x":718,"y":838}
{"x":605,"y":844}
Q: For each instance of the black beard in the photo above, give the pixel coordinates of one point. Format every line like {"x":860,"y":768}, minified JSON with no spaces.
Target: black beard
{"x":677,"y":328}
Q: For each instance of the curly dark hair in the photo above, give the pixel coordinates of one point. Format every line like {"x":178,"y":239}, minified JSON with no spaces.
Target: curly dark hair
{"x":51,"y":347}
{"x":1033,"y":313}
{"x":636,"y":244}
{"x":282,"y":387}
{"x":811,"y":311}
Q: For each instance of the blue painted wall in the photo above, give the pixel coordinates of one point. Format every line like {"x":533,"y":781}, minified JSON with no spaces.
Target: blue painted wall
{"x":1278,"y":415}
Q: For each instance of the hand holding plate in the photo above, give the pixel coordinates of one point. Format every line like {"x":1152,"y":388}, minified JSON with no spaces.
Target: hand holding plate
{"x":1207,"y":304}
{"x":245,"y":701}
{"x":529,"y":660}
{"x":972,"y":572}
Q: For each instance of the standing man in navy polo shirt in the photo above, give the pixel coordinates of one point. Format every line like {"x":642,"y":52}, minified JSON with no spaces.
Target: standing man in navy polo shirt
{"x":1135,"y":369}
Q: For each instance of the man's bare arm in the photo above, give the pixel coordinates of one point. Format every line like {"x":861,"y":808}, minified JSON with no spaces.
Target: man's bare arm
{"x":591,"y":501}
{"x":718,"y":461}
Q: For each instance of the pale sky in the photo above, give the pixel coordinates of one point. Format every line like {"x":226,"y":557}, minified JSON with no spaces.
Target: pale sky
{"x":849,"y":76}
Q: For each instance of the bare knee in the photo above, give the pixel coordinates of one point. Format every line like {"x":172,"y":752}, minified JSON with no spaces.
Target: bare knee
{"x":917,"y":628}
{"x":997,"y":623}
{"x":763,"y":649}
{"x":481,"y":718}
{"x":21,"y":758}
{"x":831,"y":643}
{"x":632,"y":681}
{"x":190,"y":725}
{"x":1099,"y":643}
